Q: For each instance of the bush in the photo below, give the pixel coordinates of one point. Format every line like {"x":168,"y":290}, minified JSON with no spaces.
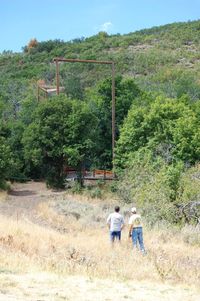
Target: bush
{"x":76,"y":188}
{"x":148,"y":184}
{"x":164,"y":192}
{"x":96,"y":193}
{"x":188,"y":196}
{"x":113,"y":186}
{"x":191,"y":235}
{"x":4,"y":185}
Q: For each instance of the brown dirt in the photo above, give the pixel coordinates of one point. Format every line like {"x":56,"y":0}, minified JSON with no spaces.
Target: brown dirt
{"x":24,"y":198}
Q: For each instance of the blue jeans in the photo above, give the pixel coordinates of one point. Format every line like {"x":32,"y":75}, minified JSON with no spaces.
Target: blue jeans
{"x":115,"y":234}
{"x":137,"y":237}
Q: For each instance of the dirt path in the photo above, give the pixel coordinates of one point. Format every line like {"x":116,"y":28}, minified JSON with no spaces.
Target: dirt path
{"x":47,"y":287}
{"x":25,"y":197}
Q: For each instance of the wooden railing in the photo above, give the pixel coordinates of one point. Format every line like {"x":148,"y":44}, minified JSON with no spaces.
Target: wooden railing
{"x":102,"y":173}
{"x":94,"y":174}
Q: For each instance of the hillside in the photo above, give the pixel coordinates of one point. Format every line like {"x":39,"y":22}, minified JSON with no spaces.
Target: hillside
{"x":157,"y":110}
{"x":55,"y":246}
{"x":164,"y":58}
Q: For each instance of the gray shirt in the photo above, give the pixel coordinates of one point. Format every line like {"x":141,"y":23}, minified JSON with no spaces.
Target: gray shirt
{"x":115,"y":220}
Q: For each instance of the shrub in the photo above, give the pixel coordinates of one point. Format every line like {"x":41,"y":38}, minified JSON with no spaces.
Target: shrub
{"x":96,"y":193}
{"x":151,"y":185}
{"x":76,"y":188}
{"x":191,"y":235}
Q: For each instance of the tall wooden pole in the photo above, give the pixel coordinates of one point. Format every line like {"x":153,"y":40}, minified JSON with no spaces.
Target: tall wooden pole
{"x":38,"y":93}
{"x":113,"y":112}
{"x":57,"y":78}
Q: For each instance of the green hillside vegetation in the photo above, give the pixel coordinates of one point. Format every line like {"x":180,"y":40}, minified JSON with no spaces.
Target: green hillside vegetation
{"x":157,"y":116}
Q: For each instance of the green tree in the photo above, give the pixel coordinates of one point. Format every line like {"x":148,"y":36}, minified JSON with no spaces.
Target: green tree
{"x":6,"y":162}
{"x":62,"y":133}
{"x":100,"y":101}
{"x":169,"y":127}
{"x":14,"y":140}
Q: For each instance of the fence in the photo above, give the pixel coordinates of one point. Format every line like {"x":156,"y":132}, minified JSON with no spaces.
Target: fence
{"x":90,"y":175}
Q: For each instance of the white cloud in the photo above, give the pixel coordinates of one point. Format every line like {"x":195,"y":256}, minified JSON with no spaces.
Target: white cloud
{"x":106,"y":26}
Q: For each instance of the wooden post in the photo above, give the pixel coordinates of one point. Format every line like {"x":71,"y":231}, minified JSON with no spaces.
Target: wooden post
{"x":113,"y":113}
{"x":57,"y":78}
{"x":38,"y":93}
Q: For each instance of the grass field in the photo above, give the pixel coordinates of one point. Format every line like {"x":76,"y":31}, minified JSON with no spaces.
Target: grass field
{"x":55,"y":243}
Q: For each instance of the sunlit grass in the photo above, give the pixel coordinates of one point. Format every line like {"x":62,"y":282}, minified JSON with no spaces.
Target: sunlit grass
{"x":63,"y":244}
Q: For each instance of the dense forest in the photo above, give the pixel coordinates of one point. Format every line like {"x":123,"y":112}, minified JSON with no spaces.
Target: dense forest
{"x":157,"y":115}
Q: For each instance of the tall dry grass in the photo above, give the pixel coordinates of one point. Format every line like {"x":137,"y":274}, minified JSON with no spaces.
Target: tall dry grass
{"x":69,"y":236}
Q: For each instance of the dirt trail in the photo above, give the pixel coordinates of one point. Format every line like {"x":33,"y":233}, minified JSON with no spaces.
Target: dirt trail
{"x":24,"y":198}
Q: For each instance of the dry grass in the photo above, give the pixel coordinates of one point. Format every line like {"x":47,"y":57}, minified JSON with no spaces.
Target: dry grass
{"x":3,"y":195}
{"x":50,"y":287}
{"x":61,"y":241}
{"x":74,"y":240}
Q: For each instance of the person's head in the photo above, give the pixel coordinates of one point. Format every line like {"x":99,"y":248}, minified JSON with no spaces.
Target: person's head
{"x":133,"y":210}
{"x":117,"y":208}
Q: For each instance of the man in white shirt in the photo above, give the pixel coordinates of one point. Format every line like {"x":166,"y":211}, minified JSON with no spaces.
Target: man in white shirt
{"x":115,"y":222}
{"x":135,"y":230}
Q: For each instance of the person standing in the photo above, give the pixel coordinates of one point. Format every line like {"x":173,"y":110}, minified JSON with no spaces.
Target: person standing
{"x":135,"y":230}
{"x":115,"y":222}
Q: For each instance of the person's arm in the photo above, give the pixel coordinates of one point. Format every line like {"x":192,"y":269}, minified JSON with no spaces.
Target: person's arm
{"x":108,"y":221}
{"x":122,"y":224}
{"x":130,"y":226}
{"x":130,"y":230}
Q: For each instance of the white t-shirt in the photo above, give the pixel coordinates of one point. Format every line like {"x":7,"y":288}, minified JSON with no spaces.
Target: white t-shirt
{"x":135,"y":220}
{"x":115,"y":220}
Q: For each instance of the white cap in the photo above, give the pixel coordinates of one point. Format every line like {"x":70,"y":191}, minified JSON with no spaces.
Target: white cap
{"x":133,"y":209}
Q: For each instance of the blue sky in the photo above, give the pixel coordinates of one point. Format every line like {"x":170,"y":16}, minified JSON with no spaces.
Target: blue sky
{"x":22,"y":20}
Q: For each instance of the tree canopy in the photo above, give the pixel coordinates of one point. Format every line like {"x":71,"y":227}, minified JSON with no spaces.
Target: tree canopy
{"x":62,"y":133}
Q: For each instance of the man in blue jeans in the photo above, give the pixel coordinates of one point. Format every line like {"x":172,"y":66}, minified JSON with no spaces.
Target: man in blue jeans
{"x":135,"y":230}
{"x":115,"y":222}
